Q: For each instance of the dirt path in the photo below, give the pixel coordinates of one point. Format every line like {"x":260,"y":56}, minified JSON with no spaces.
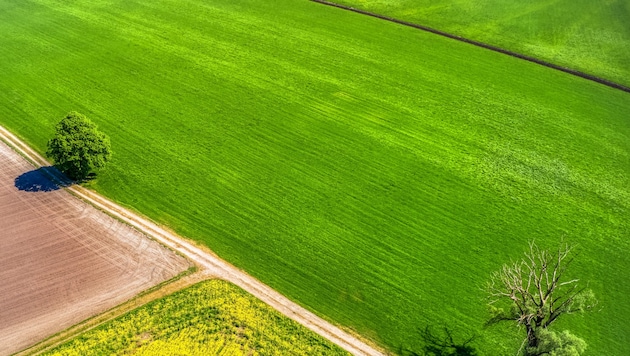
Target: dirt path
{"x":63,"y":260}
{"x":207,"y":260}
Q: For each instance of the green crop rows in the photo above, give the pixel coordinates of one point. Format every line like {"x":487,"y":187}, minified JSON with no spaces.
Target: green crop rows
{"x":590,"y":36}
{"x":373,"y":173}
{"x":210,"y":318}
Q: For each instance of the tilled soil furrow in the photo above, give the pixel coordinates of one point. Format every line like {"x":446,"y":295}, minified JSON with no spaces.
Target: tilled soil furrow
{"x":63,"y":260}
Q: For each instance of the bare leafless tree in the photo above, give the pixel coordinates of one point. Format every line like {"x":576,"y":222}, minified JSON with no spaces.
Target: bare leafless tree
{"x":535,"y":292}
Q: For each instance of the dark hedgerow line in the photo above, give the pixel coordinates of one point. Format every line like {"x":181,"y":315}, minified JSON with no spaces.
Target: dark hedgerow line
{"x":480,"y":44}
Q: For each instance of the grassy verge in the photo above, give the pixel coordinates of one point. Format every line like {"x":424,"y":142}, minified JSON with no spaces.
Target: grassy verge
{"x":185,"y":279}
{"x":371,"y":172}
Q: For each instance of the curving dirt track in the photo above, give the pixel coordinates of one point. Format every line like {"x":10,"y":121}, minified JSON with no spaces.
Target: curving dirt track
{"x":62,"y":260}
{"x":209,"y":263}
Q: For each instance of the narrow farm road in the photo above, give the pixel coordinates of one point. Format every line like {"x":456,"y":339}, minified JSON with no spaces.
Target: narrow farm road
{"x":207,"y":261}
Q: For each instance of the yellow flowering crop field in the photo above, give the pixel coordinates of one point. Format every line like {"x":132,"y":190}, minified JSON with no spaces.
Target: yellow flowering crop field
{"x":209,"y":318}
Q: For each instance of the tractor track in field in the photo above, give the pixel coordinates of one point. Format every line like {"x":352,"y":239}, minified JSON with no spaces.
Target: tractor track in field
{"x":480,"y":44}
{"x":205,"y":259}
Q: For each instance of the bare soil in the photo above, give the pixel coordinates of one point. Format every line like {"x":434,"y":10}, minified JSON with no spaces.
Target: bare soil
{"x":211,"y":265}
{"x":62,"y":260}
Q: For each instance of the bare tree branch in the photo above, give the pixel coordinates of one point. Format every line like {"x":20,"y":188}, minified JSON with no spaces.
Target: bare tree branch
{"x":534,"y":294}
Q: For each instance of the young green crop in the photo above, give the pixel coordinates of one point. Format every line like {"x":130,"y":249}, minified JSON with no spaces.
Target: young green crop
{"x":374,"y":173}
{"x":589,"y":36}
{"x":209,"y":318}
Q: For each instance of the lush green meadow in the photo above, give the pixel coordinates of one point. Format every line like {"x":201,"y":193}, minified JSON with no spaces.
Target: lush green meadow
{"x":210,"y":318}
{"x":590,"y":36}
{"x":374,"y":173}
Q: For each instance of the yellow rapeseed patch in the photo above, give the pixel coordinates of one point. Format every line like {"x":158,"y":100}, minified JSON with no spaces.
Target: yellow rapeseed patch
{"x":209,"y":318}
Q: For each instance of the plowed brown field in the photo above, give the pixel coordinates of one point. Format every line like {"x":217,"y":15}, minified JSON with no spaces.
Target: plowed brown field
{"x":62,"y":260}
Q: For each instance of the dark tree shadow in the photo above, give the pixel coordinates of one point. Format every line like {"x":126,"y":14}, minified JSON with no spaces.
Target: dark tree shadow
{"x":442,"y":343}
{"x":39,"y":180}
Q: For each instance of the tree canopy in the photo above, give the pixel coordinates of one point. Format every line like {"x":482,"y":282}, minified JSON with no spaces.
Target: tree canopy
{"x":78,"y":147}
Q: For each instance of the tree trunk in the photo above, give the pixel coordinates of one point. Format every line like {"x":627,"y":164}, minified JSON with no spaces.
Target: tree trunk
{"x":532,"y":342}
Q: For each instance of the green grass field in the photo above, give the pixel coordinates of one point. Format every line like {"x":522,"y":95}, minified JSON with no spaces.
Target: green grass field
{"x":590,"y":36}
{"x":210,"y":318}
{"x":374,"y":173}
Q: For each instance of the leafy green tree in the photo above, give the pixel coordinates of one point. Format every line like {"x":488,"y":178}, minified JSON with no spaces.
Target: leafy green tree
{"x":557,"y":344}
{"x":78,"y":148}
{"x":534,"y":293}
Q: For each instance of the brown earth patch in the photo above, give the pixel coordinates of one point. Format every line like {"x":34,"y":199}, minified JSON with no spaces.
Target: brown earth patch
{"x":210,"y":265}
{"x":62,"y":260}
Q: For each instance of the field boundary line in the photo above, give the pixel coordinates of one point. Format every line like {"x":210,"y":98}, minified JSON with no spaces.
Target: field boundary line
{"x":574,"y":72}
{"x":183,"y":281}
{"x":206,"y":260}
